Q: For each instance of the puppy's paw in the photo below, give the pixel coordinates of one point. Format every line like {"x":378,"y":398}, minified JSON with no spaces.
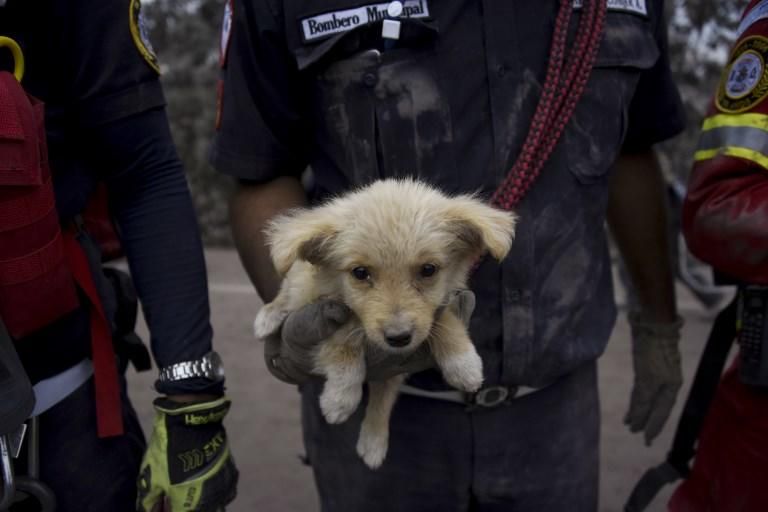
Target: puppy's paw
{"x":268,"y":320}
{"x":338,"y":404}
{"x":372,"y":448}
{"x":464,"y":371}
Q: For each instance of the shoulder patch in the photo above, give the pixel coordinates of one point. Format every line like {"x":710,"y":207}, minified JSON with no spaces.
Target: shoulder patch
{"x":759,"y":12}
{"x":745,"y":81}
{"x":226,"y":32}
{"x":140,"y":35}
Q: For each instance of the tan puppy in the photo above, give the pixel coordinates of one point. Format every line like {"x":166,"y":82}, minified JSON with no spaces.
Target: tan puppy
{"x":393,"y":252}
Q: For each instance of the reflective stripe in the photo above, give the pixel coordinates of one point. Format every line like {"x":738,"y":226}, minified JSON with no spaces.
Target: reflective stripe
{"x":743,"y":136}
{"x":745,"y":153}
{"x":722,"y":120}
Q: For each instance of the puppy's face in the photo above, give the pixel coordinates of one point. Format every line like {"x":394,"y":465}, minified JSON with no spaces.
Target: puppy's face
{"x":394,"y":250}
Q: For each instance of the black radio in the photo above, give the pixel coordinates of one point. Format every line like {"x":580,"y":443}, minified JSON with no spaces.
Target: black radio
{"x":753,"y":335}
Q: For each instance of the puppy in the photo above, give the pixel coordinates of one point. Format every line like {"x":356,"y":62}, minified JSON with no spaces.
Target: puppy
{"x":393,"y":252}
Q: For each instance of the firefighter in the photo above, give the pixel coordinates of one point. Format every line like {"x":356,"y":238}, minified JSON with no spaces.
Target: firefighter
{"x":569,"y":95}
{"x":725,"y":223}
{"x":95,"y":70}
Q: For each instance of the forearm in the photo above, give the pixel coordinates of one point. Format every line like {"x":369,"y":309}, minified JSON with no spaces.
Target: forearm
{"x":637,"y":216}
{"x":250,"y":209}
{"x":151,"y":202}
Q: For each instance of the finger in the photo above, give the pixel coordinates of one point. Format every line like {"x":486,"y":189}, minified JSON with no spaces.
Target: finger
{"x":314,"y":323}
{"x":162,"y":505}
{"x":639,"y":409}
{"x":660,"y":412}
{"x":277,"y":365}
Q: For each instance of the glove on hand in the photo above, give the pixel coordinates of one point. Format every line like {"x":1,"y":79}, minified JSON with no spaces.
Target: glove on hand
{"x":288,"y":353}
{"x":658,"y":375}
{"x":187,"y":465}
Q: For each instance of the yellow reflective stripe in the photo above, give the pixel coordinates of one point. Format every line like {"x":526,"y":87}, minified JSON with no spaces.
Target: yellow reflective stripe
{"x":745,"y":153}
{"x":751,"y":120}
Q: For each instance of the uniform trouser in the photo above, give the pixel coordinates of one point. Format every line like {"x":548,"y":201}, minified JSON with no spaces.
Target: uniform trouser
{"x":88,"y":474}
{"x":538,"y":453}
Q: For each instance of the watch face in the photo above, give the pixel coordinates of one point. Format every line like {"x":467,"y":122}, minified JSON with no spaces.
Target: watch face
{"x":216,"y":368}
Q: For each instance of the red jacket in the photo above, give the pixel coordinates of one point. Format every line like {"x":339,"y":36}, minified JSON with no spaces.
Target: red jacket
{"x":725,"y":221}
{"x":725,"y":216}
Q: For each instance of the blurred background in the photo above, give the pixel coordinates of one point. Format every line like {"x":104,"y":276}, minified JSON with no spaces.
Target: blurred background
{"x":264,"y":424}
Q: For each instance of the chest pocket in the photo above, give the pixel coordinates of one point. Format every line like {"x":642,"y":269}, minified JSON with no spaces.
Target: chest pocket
{"x":596,"y":131}
{"x":378,"y":111}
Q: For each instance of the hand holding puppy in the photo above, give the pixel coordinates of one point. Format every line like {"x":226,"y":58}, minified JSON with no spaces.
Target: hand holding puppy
{"x":288,"y":353}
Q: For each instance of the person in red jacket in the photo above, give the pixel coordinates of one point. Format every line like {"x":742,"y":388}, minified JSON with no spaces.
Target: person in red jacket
{"x":725,"y":221}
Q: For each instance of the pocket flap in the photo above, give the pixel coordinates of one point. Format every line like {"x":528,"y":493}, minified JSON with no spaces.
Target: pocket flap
{"x":628,"y":41}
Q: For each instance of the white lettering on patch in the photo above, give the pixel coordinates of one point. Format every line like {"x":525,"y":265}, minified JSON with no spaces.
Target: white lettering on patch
{"x":633,"y":6}
{"x":322,"y":25}
{"x":759,"y":12}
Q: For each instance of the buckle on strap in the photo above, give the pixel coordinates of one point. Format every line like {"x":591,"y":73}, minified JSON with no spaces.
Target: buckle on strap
{"x":493,"y":396}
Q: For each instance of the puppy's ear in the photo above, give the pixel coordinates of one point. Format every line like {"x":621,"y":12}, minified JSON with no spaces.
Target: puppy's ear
{"x":300,"y":235}
{"x":479,"y":227}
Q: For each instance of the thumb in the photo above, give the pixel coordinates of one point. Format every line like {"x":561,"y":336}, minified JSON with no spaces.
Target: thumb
{"x":660,"y":412}
{"x":314,"y":322}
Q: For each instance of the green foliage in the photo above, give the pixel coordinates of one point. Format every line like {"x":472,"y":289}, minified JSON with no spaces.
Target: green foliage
{"x":186,"y":35}
{"x":701,"y":33}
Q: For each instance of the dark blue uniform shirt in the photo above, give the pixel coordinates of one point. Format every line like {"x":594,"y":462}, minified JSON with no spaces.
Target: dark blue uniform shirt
{"x":97,"y":75}
{"x":312,"y":83}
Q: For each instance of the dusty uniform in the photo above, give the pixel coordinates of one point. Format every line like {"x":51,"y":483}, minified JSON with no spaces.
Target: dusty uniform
{"x":725,"y":222}
{"x":313,"y":83}
{"x":105,"y":121}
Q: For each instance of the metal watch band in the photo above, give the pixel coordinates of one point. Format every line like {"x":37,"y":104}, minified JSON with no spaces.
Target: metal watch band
{"x":209,"y":367}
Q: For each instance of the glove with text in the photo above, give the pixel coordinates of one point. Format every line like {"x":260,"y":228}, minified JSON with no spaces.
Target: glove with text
{"x":187,"y":465}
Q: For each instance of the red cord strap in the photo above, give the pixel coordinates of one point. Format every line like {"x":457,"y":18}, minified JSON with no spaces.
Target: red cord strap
{"x":560,"y":95}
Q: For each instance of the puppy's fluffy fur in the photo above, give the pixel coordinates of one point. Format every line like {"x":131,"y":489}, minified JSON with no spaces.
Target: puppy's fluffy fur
{"x":393,"y":252}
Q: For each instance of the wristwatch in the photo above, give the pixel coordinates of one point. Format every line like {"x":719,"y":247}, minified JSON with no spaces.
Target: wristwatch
{"x":208,"y":367}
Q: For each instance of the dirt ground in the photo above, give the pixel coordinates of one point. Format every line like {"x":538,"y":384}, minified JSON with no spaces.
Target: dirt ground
{"x":264,"y":426}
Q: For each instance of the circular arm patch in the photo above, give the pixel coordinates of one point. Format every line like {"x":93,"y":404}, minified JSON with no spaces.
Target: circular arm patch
{"x":140,"y":35}
{"x":745,"y":81}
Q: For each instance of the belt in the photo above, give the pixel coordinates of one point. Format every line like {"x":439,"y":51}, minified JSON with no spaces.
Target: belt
{"x":490,"y":397}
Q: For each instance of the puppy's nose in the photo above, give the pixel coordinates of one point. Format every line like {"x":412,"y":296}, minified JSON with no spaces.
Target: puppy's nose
{"x":398,"y":338}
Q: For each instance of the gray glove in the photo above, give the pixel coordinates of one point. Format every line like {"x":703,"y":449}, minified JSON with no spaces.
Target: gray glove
{"x":288,"y":353}
{"x":658,"y":375}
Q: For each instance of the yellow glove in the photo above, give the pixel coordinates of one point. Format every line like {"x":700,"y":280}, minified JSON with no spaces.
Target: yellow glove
{"x":187,"y":465}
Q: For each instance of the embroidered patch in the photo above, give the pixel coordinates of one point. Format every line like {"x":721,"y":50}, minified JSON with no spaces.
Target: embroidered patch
{"x":759,"y":12}
{"x":745,"y":81}
{"x":329,"y":23}
{"x":226,"y":32}
{"x":633,"y":6}
{"x":140,"y":34}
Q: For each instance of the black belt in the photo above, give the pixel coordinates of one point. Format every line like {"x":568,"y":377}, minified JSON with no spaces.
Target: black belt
{"x":489,"y":397}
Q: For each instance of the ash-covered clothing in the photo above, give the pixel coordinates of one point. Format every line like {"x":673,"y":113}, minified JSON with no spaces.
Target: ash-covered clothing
{"x":538,"y":453}
{"x":93,"y":67}
{"x":312,"y":83}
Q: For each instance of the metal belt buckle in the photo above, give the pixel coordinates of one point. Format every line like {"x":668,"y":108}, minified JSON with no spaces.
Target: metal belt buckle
{"x":494,"y":396}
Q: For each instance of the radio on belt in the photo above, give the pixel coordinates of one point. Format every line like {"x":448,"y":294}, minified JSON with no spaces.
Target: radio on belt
{"x":390,"y":29}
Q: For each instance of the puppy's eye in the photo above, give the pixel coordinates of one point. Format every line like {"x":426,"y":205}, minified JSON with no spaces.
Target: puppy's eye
{"x":361,"y":273}
{"x":428,"y":270}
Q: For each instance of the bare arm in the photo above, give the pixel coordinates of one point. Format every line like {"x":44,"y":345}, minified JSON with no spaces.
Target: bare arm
{"x":250,"y":208}
{"x":637,"y":216}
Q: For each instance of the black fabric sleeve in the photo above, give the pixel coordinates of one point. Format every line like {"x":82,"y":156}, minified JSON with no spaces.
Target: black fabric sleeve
{"x":158,"y":227}
{"x":656,"y":112}
{"x":262,"y":131}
